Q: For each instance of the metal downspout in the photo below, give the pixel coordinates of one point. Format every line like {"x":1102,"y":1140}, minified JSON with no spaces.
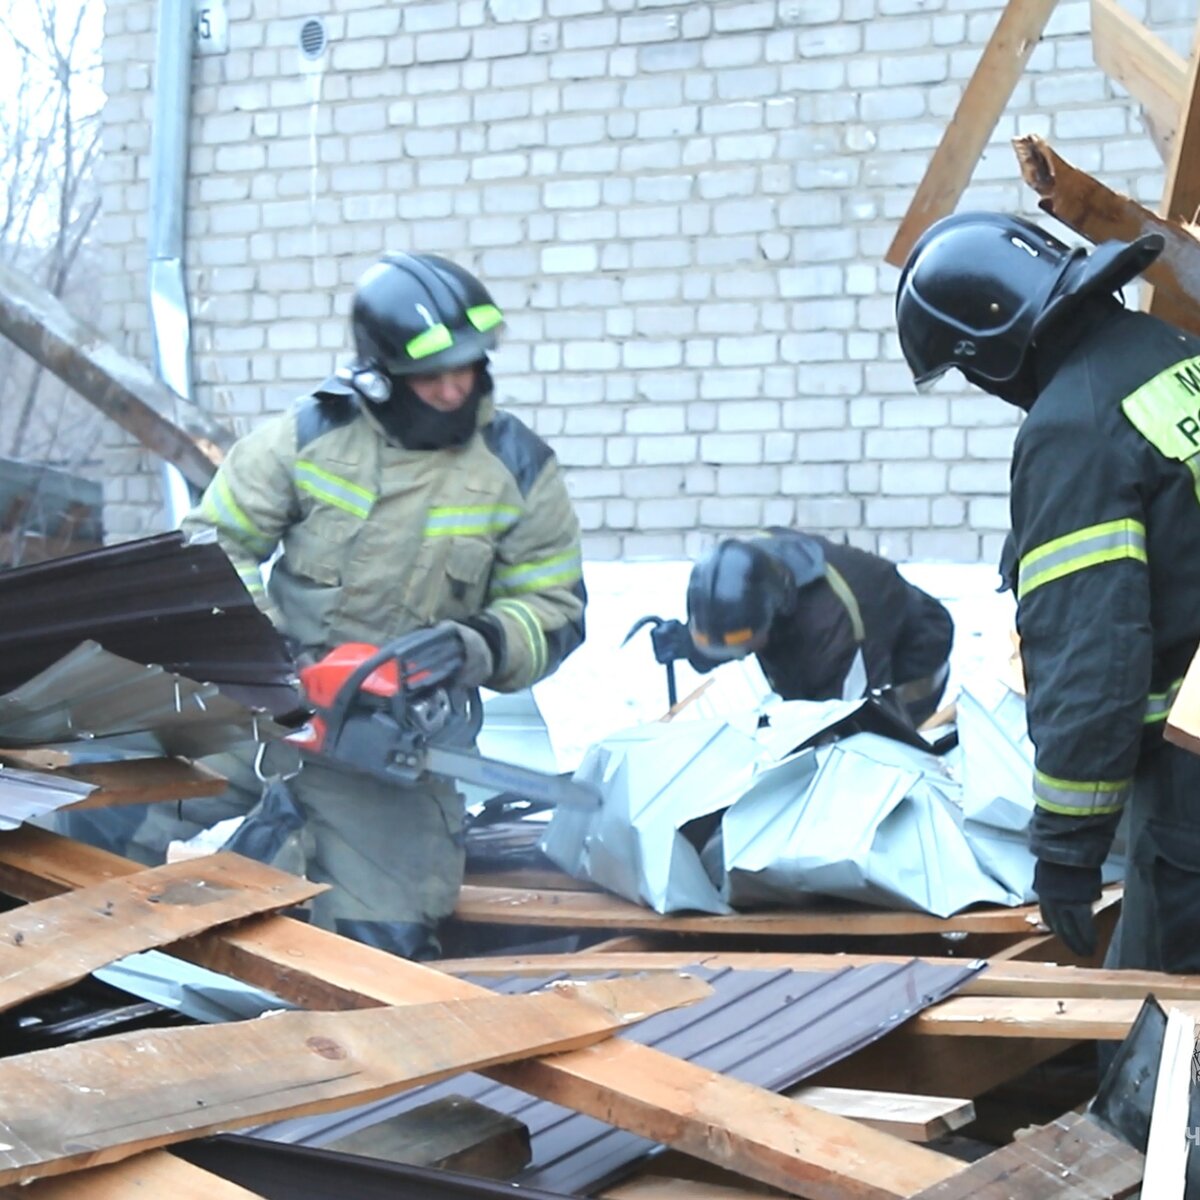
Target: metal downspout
{"x":167,"y":287}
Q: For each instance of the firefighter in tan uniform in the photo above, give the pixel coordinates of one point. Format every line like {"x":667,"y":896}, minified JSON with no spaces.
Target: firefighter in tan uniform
{"x":399,"y":497}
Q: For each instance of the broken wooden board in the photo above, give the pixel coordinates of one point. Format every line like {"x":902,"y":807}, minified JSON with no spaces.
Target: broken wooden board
{"x":1078,"y":1020}
{"x":601,"y":910}
{"x":905,"y":1115}
{"x":52,"y":943}
{"x":155,"y":1175}
{"x":144,"y":781}
{"x":983,"y":103}
{"x":735,"y":1125}
{"x":99,"y":1101}
{"x":120,"y":387}
{"x":1070,"y":1159}
{"x":1100,"y":214}
{"x":454,"y":1133}
{"x":1142,"y":63}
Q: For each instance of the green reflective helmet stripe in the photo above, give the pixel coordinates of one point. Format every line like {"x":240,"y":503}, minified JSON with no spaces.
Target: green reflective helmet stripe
{"x":485,"y":317}
{"x":430,"y":341}
{"x":1110,"y":541}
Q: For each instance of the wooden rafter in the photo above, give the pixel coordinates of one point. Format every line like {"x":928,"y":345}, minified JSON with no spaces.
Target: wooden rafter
{"x":983,"y":103}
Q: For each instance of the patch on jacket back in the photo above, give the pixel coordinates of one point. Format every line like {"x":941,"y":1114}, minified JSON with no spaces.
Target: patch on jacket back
{"x":517,"y":447}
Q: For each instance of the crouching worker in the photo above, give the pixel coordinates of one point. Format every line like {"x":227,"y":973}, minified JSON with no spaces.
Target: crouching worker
{"x":826,"y":621}
{"x":399,"y":498}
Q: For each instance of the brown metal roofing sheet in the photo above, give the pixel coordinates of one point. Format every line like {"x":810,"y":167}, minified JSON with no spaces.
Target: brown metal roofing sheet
{"x":156,"y":600}
{"x":770,"y":1028}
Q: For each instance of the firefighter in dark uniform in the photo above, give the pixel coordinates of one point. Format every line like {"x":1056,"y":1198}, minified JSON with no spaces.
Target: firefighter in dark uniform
{"x":826,"y":621}
{"x":1105,"y":552}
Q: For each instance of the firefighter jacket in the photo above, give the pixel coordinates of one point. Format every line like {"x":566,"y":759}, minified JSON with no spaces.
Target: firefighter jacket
{"x":1106,"y":537}
{"x":377,"y":540}
{"x":856,"y":624}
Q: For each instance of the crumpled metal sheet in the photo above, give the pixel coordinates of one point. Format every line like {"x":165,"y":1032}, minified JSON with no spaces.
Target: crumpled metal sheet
{"x":28,"y":794}
{"x":706,"y":817}
{"x":91,"y":694}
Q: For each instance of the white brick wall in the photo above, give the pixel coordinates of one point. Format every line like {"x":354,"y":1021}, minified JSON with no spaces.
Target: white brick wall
{"x":682,"y":207}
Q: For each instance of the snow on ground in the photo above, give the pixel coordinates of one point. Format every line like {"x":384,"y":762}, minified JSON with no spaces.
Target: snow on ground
{"x":603,"y":686}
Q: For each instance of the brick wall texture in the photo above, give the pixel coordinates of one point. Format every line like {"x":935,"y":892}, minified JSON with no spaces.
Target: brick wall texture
{"x":682,"y":207}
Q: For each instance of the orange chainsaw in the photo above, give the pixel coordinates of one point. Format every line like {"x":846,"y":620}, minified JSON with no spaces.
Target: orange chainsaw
{"x":398,"y":713}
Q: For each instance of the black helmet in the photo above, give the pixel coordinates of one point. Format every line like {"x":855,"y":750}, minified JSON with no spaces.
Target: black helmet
{"x":734,"y":594}
{"x":418,"y":314}
{"x":978,"y":289}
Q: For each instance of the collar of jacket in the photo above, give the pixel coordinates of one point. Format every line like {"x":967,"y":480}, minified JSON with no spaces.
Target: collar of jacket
{"x":334,"y":388}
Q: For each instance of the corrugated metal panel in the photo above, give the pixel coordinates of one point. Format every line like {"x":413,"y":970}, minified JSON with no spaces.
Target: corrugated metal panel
{"x":300,"y":1173}
{"x":770,"y":1028}
{"x":92,"y":694}
{"x":28,"y":794}
{"x":156,"y":600}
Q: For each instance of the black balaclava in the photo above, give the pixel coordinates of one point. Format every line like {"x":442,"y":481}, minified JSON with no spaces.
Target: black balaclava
{"x":407,"y":419}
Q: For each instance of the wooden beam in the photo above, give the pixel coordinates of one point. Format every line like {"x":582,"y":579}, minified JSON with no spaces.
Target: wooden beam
{"x":122,"y":389}
{"x":144,"y":781}
{"x":983,"y":102}
{"x":155,"y":1175}
{"x":1079,"y":1020}
{"x":56,"y":942}
{"x":1181,"y":195}
{"x":702,"y":1113}
{"x":600,"y":910}
{"x":1101,"y":214}
{"x":100,"y":1101}
{"x":905,"y":1115}
{"x":1071,"y":1159}
{"x":1167,"y":1145}
{"x":1142,"y":63}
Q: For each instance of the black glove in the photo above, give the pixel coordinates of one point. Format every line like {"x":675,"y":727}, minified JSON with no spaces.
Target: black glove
{"x":1065,"y":894}
{"x":671,"y":641}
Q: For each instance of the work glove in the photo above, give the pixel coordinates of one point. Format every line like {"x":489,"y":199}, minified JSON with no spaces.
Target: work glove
{"x":1065,"y":894}
{"x":671,"y":641}
{"x":478,"y":663}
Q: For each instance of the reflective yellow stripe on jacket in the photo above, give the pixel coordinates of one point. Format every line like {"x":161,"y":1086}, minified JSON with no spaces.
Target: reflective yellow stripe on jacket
{"x":332,"y":489}
{"x":220,"y":509}
{"x":471,"y":520}
{"x":531,"y":628}
{"x":560,"y":570}
{"x":1080,"y":797}
{"x":1097,"y":544}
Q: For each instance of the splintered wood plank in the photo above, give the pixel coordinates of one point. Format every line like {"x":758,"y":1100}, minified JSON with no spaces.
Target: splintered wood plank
{"x":52,"y":943}
{"x":154,"y":1175}
{"x":975,"y":1016}
{"x":983,"y":102}
{"x":1100,"y":214}
{"x":911,"y":1117}
{"x":600,"y":910}
{"x":1149,"y":69}
{"x":1183,"y":721}
{"x":706,"y":1115}
{"x":1070,"y":1159}
{"x":100,"y":1101}
{"x":1181,"y":195}
{"x":144,"y":781}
